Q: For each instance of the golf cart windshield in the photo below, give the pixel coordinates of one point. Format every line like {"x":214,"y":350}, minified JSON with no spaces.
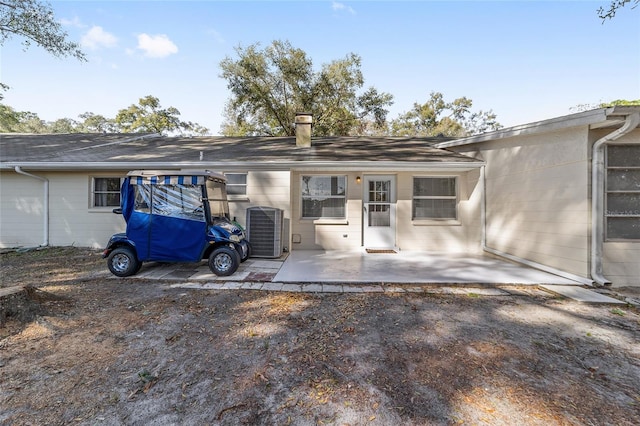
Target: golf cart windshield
{"x":180,"y":201}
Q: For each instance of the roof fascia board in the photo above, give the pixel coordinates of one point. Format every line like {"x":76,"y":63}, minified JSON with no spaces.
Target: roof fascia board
{"x":280,"y":166}
{"x":581,"y":119}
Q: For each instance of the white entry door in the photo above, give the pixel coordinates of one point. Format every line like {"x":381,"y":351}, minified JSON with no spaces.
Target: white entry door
{"x":379,"y":211}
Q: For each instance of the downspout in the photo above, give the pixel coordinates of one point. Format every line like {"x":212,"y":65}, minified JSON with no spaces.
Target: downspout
{"x":526,"y":262}
{"x":597,"y":196}
{"x":45,"y":213}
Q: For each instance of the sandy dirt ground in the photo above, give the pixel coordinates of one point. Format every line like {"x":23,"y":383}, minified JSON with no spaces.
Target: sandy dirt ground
{"x":89,"y":349}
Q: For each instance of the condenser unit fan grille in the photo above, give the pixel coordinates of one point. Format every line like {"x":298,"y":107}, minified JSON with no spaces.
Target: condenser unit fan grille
{"x":264,"y":231}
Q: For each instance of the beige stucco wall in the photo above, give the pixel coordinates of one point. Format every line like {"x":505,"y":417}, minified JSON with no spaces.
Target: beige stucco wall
{"x":71,"y":220}
{"x":461,"y":236}
{"x":538,"y":197}
{"x":265,"y":189}
{"x":21,"y":209}
{"x":329,"y":234}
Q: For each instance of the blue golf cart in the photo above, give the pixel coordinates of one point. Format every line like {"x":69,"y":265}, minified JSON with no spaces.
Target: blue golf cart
{"x":176,"y":216}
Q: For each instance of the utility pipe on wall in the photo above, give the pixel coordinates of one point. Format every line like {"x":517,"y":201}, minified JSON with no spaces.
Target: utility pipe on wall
{"x":45,"y":212}
{"x":597,"y":195}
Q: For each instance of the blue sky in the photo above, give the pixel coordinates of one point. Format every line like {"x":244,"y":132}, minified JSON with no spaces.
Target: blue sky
{"x":525,"y":60}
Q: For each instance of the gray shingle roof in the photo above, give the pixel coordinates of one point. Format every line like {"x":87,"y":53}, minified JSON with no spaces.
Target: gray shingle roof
{"x":74,"y":149}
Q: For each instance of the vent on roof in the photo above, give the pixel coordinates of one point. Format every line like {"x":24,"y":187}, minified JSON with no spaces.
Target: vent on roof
{"x":264,"y":231}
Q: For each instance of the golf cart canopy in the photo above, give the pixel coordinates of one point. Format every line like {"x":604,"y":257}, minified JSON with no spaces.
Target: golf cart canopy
{"x":174,"y":177}
{"x":179,"y":193}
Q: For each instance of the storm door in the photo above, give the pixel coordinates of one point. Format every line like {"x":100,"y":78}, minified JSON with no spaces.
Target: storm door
{"x":379,"y":212}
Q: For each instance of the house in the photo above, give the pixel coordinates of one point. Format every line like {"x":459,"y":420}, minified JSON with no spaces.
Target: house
{"x":564,"y":194}
{"x":521,"y":193}
{"x":61,"y":189}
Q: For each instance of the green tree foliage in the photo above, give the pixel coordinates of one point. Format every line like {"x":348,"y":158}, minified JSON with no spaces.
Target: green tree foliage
{"x":438,"y":117}
{"x":145,"y":117}
{"x":12,"y":121}
{"x":35,"y":22}
{"x":621,"y":102}
{"x":9,"y":120}
{"x":614,"y":7}
{"x":617,"y":102}
{"x":96,"y":123}
{"x":149,"y":116}
{"x":269,"y":86}
{"x":31,"y":123}
{"x":63,"y":125}
{"x":196,"y":129}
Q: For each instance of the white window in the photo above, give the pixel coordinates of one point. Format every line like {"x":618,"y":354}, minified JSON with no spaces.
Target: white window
{"x":105,"y":192}
{"x":236,"y":185}
{"x":324,"y":197}
{"x":622,"y":212}
{"x":434,"y":198}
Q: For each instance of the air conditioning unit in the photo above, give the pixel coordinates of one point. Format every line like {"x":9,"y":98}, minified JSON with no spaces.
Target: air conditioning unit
{"x":264,"y":231}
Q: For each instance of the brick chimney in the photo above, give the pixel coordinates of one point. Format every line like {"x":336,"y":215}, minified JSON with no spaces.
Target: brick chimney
{"x":303,"y":129}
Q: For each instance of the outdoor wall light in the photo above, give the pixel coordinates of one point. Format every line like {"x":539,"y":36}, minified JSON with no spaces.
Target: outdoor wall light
{"x":358,"y":179}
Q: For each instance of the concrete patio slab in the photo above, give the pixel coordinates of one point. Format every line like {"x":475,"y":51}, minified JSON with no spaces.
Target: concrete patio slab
{"x":361,"y":272}
{"x":408,"y":267}
{"x":264,"y":264}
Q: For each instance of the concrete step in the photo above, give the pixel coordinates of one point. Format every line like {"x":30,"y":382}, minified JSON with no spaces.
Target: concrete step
{"x":581,"y":294}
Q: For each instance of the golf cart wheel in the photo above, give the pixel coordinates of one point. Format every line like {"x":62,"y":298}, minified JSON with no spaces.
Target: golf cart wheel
{"x":122,"y":262}
{"x":224,"y":261}
{"x":245,"y":254}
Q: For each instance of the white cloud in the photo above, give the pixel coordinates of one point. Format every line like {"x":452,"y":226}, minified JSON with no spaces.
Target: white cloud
{"x":75,"y":22}
{"x":341,"y":6}
{"x":96,"y":38}
{"x":157,"y":46}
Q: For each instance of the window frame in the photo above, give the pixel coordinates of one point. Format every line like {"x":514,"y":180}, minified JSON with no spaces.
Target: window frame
{"x":439,"y":220}
{"x":607,"y":192}
{"x":245,"y":185}
{"x":93,"y":192}
{"x":343,"y":197}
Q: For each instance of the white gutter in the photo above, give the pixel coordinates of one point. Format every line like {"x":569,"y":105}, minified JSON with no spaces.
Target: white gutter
{"x":250,"y":165}
{"x":597,"y":195}
{"x":45,"y":212}
{"x":558,"y":123}
{"x":535,"y":265}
